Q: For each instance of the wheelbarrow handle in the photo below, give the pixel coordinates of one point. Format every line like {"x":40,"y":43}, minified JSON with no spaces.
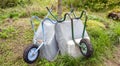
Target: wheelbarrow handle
{"x":83,"y":12}
{"x":65,"y":15}
{"x":59,"y":21}
{"x":72,"y":28}
{"x":40,"y":20}
{"x":51,"y":13}
{"x":32,"y":22}
{"x":85,"y":22}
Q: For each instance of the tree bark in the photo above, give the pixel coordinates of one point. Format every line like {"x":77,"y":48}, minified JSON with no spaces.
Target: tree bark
{"x":59,"y":9}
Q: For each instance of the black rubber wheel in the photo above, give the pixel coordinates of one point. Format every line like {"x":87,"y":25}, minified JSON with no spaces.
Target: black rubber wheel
{"x":86,"y":48}
{"x":28,"y":55}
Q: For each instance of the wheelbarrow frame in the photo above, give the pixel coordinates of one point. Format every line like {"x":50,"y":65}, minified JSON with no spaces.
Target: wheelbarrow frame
{"x":35,"y":41}
{"x":83,"y":41}
{"x":75,"y":17}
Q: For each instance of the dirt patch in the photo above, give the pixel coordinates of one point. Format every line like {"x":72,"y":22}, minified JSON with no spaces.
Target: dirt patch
{"x":116,"y":58}
{"x":111,"y":63}
{"x":18,"y":43}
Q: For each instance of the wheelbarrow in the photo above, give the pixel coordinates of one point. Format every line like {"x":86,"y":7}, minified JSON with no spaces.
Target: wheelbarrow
{"x":48,"y":48}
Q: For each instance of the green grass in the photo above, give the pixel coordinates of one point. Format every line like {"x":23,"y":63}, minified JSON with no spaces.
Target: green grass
{"x":7,"y":32}
{"x":114,"y":33}
{"x":16,"y":35}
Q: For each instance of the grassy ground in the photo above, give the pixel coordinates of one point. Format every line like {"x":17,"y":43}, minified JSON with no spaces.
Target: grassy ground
{"x":16,"y":34}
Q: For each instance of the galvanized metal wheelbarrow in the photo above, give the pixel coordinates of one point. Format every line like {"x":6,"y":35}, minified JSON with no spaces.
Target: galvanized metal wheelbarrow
{"x":48,"y":48}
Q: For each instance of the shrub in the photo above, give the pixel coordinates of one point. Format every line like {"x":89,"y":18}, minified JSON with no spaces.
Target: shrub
{"x":13,"y":15}
{"x":115,"y":10}
{"x":8,"y":3}
{"x":95,"y":5}
{"x":11,"y":3}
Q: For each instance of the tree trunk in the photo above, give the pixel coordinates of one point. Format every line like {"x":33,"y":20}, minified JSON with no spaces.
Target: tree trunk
{"x":59,"y":9}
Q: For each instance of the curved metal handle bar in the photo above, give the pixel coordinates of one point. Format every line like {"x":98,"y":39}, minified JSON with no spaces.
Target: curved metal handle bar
{"x":49,"y":12}
{"x":59,"y":21}
{"x":32,"y":23}
{"x":72,"y":27}
{"x":35,"y":17}
{"x":43,"y":26}
{"x":85,"y":22}
{"x":83,"y":12}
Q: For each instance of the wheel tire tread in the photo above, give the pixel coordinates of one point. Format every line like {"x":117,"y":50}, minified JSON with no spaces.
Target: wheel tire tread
{"x":25,"y":54}
{"x":89,"y":48}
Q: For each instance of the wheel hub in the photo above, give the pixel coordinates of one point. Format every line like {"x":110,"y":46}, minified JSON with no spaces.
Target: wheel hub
{"x":31,"y":55}
{"x":84,"y":48}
